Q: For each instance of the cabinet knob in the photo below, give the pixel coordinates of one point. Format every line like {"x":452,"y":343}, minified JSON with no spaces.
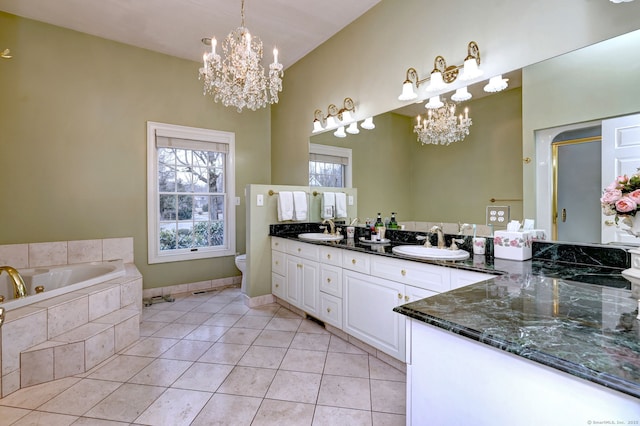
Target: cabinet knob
{"x":353,"y":261}
{"x":406,"y":298}
{"x":276,"y":262}
{"x":299,"y":265}
{"x":277,"y":285}
{"x":328,"y":256}
{"x":277,"y":244}
{"x":328,"y":310}
{"x":399,"y":296}
{"x":328,"y":280}
{"x":299,"y":249}
{"x":403,"y":272}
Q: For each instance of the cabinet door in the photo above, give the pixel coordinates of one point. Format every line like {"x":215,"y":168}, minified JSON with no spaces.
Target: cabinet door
{"x":411,"y":294}
{"x":310,"y":287}
{"x":293,"y":293}
{"x":331,"y":280}
{"x":331,"y":310}
{"x":278,"y":285}
{"x":368,"y":312}
{"x":278,"y":262}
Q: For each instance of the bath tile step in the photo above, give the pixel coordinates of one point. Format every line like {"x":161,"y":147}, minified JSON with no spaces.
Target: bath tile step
{"x":80,"y":349}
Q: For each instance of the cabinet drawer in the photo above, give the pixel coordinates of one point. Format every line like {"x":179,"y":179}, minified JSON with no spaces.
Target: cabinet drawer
{"x":306,"y":251}
{"x":278,"y":262}
{"x":331,"y":255}
{"x":278,"y":285}
{"x":278,"y":244}
{"x":461,"y":277}
{"x":421,"y":275}
{"x":355,"y":261}
{"x":331,"y":280}
{"x":331,"y":310}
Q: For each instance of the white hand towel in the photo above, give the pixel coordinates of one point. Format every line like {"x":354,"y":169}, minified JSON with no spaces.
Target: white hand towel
{"x":341,"y":204}
{"x":300,"y":205}
{"x":285,"y":205}
{"x":328,"y":205}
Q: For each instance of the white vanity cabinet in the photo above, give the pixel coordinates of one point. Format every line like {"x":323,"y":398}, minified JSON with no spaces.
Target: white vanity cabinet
{"x":356,"y":292}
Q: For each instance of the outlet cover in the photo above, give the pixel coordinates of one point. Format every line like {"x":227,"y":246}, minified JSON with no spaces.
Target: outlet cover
{"x":497,"y":215}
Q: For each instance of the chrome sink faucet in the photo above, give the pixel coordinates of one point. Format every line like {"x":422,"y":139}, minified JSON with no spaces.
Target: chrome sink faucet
{"x":331,"y":225}
{"x":438,"y":230}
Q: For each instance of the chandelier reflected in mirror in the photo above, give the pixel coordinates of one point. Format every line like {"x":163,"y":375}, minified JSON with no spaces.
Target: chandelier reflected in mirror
{"x":441,"y":126}
{"x":237,"y":77}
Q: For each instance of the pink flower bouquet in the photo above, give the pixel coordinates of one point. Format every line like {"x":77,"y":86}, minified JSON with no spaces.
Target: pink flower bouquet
{"x":622,"y":197}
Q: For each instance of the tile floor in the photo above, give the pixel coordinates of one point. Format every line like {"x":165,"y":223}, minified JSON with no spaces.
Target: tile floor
{"x":209,"y":360}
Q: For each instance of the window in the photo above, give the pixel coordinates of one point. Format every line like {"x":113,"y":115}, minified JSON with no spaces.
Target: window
{"x":190,"y":185}
{"x":329,"y":166}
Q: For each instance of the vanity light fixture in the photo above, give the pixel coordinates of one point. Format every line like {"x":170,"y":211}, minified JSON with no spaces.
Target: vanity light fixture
{"x":434,"y":103}
{"x":496,"y":84}
{"x":367,"y":124}
{"x":340,"y":118}
{"x":442,"y":75}
{"x":461,"y":95}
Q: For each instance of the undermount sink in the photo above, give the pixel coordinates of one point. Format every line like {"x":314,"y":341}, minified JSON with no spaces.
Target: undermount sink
{"x":433,"y":253}
{"x":319,"y":236}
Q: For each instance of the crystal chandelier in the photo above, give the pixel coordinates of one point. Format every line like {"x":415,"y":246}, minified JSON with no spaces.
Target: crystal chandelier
{"x":442,"y":127}
{"x":238,"y":79}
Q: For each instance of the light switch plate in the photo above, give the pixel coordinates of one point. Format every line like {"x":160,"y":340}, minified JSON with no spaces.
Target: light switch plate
{"x":260,"y":200}
{"x":497,"y":215}
{"x":350,"y":200}
{"x":237,"y":201}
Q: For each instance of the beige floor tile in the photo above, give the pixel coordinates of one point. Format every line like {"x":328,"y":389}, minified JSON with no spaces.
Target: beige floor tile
{"x":224,"y":320}
{"x":332,"y":416}
{"x":275,"y":338}
{"x":175,"y":407}
{"x":295,"y":386}
{"x":121,"y":368}
{"x":286,"y":313}
{"x":165,"y":316}
{"x":313,"y":342}
{"x":278,"y":413}
{"x":304,"y":361}
{"x":151,"y":347}
{"x":224,"y":353}
{"x":383,"y":371}
{"x":187,"y":350}
{"x":126,"y":403}
{"x":196,"y":318}
{"x":42,"y":418}
{"x":257,"y":322}
{"x":89,"y":421}
{"x":351,"y":365}
{"x":184,"y":305}
{"x":240,"y":336}
{"x":263,"y":357}
{"x":147,"y":328}
{"x":386,"y":419}
{"x":8,"y":415}
{"x":203,"y":377}
{"x":175,"y":330}
{"x":265,"y":310}
{"x":388,"y":396}
{"x":346,"y":392}
{"x":307,"y":326}
{"x":248,"y":381}
{"x":80,"y":398}
{"x":235,"y":309}
{"x":209,"y":333}
{"x":210,"y":307}
{"x":161,"y":372}
{"x":224,"y":410}
{"x":284,"y":324}
{"x":339,"y":345}
{"x":35,"y":396}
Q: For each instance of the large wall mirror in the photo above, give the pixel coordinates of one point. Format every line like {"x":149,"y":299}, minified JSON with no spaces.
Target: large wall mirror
{"x":493,"y":165}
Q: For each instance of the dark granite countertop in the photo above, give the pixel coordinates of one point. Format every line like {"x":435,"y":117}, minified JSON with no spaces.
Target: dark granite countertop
{"x":568,"y":308}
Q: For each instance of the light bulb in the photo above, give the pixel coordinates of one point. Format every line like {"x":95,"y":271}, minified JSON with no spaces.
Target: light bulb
{"x":408,"y":94}
{"x":353,"y":128}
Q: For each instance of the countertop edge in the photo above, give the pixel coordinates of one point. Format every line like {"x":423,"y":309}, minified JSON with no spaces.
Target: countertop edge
{"x":604,"y":379}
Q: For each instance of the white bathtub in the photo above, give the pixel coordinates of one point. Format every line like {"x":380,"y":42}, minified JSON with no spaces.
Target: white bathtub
{"x":58,"y":280}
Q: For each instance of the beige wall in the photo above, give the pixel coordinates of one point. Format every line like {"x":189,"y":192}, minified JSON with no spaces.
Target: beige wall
{"x":73,"y":137}
{"x":367,"y":60}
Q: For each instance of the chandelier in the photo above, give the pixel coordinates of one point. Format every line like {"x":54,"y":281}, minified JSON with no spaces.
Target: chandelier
{"x":441,"y":126}
{"x":238,"y":79}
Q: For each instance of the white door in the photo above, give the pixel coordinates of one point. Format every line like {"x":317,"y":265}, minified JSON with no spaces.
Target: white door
{"x":620,"y":156}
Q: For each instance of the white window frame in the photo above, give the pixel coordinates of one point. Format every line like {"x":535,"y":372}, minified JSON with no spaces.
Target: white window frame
{"x":153,"y":200}
{"x":336,"y":152}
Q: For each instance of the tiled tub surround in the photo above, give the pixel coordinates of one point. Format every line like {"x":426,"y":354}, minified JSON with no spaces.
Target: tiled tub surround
{"x":569,"y":308}
{"x":70,"y":333}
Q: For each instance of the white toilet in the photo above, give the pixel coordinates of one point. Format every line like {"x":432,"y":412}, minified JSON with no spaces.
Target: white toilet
{"x":241,"y":263}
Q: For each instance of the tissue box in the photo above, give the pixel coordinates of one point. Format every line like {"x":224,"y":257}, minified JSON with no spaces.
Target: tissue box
{"x":512,"y":245}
